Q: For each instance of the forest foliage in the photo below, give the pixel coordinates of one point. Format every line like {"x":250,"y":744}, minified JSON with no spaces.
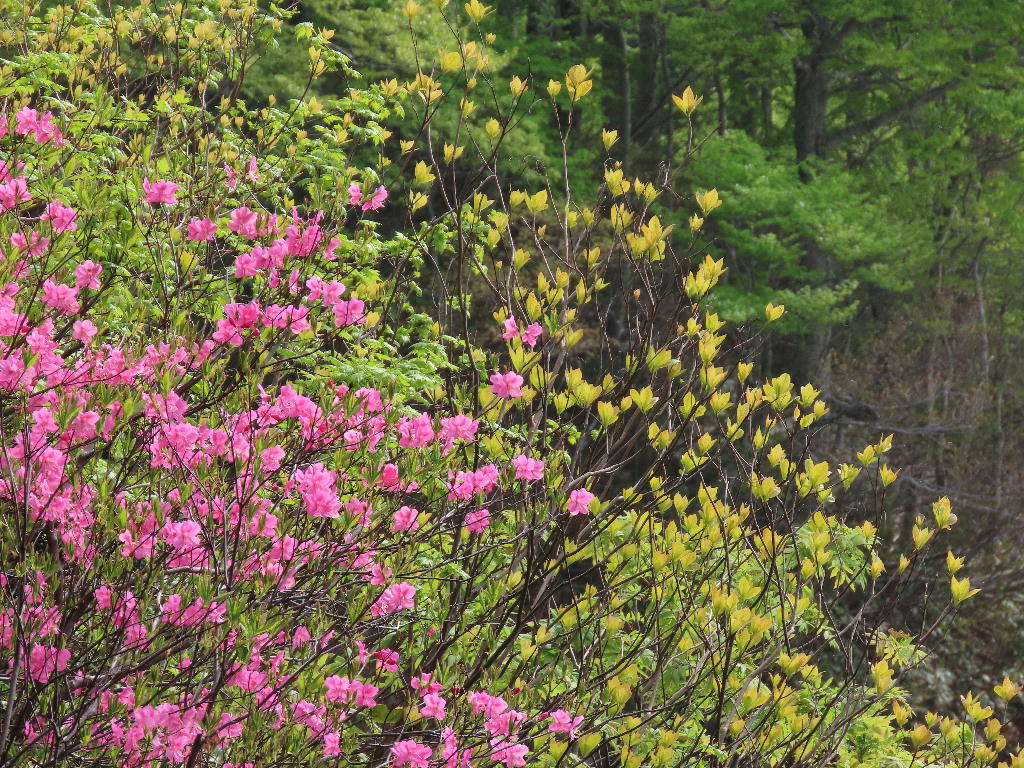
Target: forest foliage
{"x":868,"y":160}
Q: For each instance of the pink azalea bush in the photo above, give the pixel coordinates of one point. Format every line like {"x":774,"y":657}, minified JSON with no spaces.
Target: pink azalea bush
{"x":235,"y":554}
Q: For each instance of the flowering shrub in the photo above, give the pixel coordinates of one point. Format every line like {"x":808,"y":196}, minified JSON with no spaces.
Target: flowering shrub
{"x":263,"y":505}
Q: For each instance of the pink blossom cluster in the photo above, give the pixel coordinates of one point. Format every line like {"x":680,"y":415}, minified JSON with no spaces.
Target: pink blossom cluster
{"x":529,"y":335}
{"x":225,"y":546}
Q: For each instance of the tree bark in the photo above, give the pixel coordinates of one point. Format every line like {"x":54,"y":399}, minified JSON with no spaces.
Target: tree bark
{"x":723,"y":112}
{"x":810,"y":92}
{"x":627,"y":100}
{"x":810,"y":130}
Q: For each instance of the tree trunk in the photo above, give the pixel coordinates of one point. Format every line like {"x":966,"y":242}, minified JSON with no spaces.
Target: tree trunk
{"x":766,"y":114}
{"x":810,"y":105}
{"x":810,"y":92}
{"x":627,"y":100}
{"x":723,"y":113}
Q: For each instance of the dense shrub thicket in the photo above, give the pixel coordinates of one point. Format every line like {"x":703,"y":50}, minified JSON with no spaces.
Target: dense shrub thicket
{"x":285,"y":482}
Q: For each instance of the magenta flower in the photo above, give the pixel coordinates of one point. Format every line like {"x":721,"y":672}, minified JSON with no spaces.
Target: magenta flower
{"x":508,"y":753}
{"x":387,"y":659}
{"x":12,"y":192}
{"x":355,"y":194}
{"x":61,"y":217}
{"x":433,"y":706}
{"x":478,"y":521}
{"x":318,"y":492}
{"x":160,"y":192}
{"x":351,"y":312}
{"x":563,"y":722}
{"x":84,"y":331}
{"x":507,"y":385}
{"x":87,"y":275}
{"x":243,"y":222}
{"x":406,"y":519}
{"x":376,"y":202}
{"x":25,"y":121}
{"x":415,"y":432}
{"x":530,"y":334}
{"x":454,"y":428}
{"x":579,"y":502}
{"x":397,"y":597}
{"x":511,"y":329}
{"x":411,"y":753}
{"x":45,"y":660}
{"x":332,"y":744}
{"x":60,"y":297}
{"x":372,"y":202}
{"x":201,"y":229}
{"x":527,"y":468}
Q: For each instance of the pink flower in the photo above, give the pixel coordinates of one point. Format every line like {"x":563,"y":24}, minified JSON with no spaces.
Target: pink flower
{"x":464,"y":484}
{"x":579,"y":502}
{"x":450,"y":753}
{"x":380,"y":194}
{"x":406,"y":519}
{"x":433,"y":706}
{"x":237,"y":317}
{"x":508,"y":753}
{"x":372,"y":202}
{"x":271,"y":458}
{"x":35,"y":243}
{"x":531,"y":334}
{"x":181,"y":535}
{"x":87,"y":275}
{"x":103,"y":595}
{"x":243,"y":222}
{"x":28,"y":120}
{"x":61,"y":217}
{"x":424,"y":684}
{"x":365,"y":695}
{"x":457,"y":428}
{"x":201,"y":229}
{"x":527,"y":468}
{"x":300,"y":636}
{"x":397,"y":597}
{"x":563,"y":722}
{"x":61,"y":297}
{"x":351,"y":312}
{"x":84,"y":331}
{"x":160,"y":192}
{"x":355,"y":194}
{"x":13,"y":192}
{"x":25,"y":121}
{"x":511,"y":329}
{"x":317,"y":490}
{"x":507,"y":384}
{"x":505,"y":723}
{"x":44,"y":660}
{"x":387,"y":660}
{"x":411,"y":753}
{"x":415,"y":432}
{"x":490,"y":706}
{"x":332,"y":744}
{"x":478,"y":520}
{"x":338,"y":688}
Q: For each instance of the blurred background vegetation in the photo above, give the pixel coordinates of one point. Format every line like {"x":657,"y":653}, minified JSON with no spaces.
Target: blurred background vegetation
{"x":869,"y":157}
